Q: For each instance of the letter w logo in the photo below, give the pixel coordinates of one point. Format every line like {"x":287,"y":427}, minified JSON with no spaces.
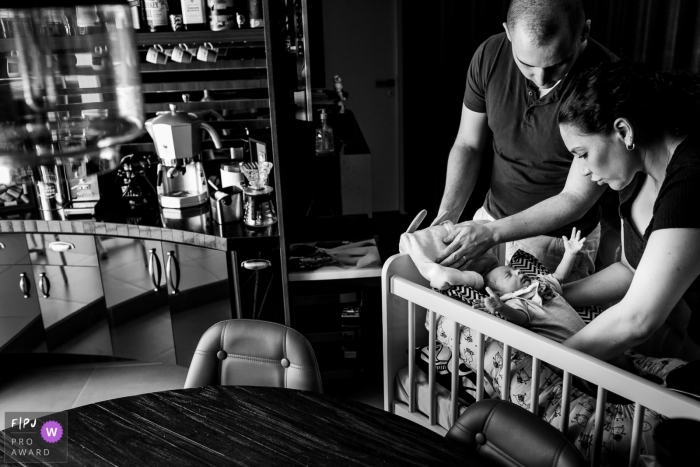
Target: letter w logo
{"x":52,"y":431}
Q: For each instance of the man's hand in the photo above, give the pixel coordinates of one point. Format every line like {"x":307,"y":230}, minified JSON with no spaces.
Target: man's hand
{"x":465,"y":243}
{"x":575,"y":244}
{"x":492,"y":303}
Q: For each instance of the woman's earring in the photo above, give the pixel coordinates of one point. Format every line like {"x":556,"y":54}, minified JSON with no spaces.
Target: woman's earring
{"x":629,"y":145}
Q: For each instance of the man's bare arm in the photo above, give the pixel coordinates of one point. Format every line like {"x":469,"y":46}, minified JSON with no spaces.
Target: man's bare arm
{"x":577,"y":197}
{"x":464,"y":163}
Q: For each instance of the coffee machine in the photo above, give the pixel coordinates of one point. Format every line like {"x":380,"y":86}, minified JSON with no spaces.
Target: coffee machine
{"x":177,"y":137}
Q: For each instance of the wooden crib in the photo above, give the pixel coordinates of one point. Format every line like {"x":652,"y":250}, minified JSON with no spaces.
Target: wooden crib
{"x":405,"y":298}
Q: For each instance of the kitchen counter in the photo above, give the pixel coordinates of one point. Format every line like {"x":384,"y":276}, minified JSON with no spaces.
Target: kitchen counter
{"x":195,"y":227}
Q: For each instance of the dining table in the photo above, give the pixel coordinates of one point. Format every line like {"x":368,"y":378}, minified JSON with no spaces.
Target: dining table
{"x":247,"y":426}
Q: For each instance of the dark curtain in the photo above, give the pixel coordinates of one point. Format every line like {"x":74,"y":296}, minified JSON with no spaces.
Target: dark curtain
{"x":440,"y":37}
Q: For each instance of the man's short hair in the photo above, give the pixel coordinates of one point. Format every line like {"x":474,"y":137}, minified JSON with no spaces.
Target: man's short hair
{"x":541,"y":19}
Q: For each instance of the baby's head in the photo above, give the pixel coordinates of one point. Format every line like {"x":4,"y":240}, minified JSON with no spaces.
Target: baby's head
{"x":504,"y":279}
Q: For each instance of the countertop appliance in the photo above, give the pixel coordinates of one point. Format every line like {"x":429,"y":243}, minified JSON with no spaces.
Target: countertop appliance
{"x":177,"y":138}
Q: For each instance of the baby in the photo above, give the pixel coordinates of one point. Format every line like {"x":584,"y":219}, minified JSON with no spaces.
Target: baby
{"x":536,"y":305}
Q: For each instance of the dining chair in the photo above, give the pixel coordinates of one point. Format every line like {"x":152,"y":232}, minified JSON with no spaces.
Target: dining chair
{"x":243,"y":352}
{"x":501,"y":434}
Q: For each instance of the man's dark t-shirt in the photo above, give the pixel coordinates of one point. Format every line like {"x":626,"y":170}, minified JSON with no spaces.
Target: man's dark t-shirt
{"x":531,"y":162}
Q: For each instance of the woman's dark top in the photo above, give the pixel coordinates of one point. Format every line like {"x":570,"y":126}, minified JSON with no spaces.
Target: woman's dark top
{"x":677,"y":206}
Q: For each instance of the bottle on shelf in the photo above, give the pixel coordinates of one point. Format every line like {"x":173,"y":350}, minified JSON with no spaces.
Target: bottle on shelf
{"x":221,"y":15}
{"x":255,"y":14}
{"x":136,"y":6}
{"x":194,"y":15}
{"x":324,"y":136}
{"x":157,"y":14}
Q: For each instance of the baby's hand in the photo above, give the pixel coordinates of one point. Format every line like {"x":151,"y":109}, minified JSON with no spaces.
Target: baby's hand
{"x":574,"y":245}
{"x":492,"y":303}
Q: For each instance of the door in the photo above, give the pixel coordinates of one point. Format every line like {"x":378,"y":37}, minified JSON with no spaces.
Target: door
{"x":73,"y":309}
{"x":198,"y":291}
{"x":133,"y":277}
{"x":21,"y":328}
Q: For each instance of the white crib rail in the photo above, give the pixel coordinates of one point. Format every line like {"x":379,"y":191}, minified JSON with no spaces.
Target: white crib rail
{"x":404,"y":289}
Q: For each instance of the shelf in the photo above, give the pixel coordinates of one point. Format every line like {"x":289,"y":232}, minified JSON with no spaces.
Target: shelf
{"x":196,"y":65}
{"x":149,"y":38}
{"x":62,"y":42}
{"x":209,"y":85}
{"x":233,"y":35}
{"x":86,"y":106}
{"x":228,"y":104}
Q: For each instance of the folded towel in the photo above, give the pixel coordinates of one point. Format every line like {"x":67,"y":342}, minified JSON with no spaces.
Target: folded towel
{"x":359,"y":254}
{"x":424,"y":246}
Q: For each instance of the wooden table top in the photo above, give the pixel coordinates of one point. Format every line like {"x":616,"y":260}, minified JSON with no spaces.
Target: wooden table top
{"x":256,"y":426}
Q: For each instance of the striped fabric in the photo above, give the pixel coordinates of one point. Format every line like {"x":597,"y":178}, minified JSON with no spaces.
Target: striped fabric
{"x":529,"y":265}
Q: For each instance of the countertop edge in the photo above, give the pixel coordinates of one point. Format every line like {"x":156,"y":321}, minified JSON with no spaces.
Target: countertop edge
{"x":90,"y":227}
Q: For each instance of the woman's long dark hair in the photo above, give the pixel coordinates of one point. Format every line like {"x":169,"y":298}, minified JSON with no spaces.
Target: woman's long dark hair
{"x":652,"y":101}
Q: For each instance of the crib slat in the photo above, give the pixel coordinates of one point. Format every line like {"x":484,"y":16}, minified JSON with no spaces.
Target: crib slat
{"x":599,"y":422}
{"x":480,"y":366}
{"x":411,"y":357}
{"x":455,"y":373}
{"x":565,"y":402}
{"x":431,"y":373}
{"x":637,"y":425}
{"x":535,"y":386}
{"x":505,"y":390}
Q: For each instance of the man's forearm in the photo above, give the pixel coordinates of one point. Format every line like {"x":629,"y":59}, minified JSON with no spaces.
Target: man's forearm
{"x":541,"y":218}
{"x":463,"y":168}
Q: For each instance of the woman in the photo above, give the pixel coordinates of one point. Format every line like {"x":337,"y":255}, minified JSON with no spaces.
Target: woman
{"x":639,"y":133}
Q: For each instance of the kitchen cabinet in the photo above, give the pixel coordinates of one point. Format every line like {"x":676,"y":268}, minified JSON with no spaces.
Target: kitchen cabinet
{"x":136,"y":298}
{"x":21,"y":328}
{"x":198,"y":293}
{"x":162,"y":296}
{"x":69,"y":288}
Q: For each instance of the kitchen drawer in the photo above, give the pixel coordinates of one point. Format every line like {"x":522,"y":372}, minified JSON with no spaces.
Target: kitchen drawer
{"x":62,"y":250}
{"x":13,"y":249}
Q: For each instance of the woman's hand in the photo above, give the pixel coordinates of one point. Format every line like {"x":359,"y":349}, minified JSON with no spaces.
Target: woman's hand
{"x":574,"y":244}
{"x":492,"y":303}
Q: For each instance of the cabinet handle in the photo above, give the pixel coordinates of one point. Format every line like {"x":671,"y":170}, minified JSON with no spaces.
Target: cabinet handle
{"x":24,"y":284}
{"x":256,"y":264}
{"x":61,"y":246}
{"x":44,"y":284}
{"x":154,"y":269}
{"x":174,"y":282}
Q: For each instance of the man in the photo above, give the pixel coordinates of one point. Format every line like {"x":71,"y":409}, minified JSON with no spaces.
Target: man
{"x":515,"y":83}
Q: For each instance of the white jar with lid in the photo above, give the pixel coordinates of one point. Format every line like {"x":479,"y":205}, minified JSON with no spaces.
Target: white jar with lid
{"x":231,"y":175}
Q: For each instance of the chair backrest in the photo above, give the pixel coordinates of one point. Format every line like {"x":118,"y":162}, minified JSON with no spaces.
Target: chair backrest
{"x":245,"y":352}
{"x":503,"y":434}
